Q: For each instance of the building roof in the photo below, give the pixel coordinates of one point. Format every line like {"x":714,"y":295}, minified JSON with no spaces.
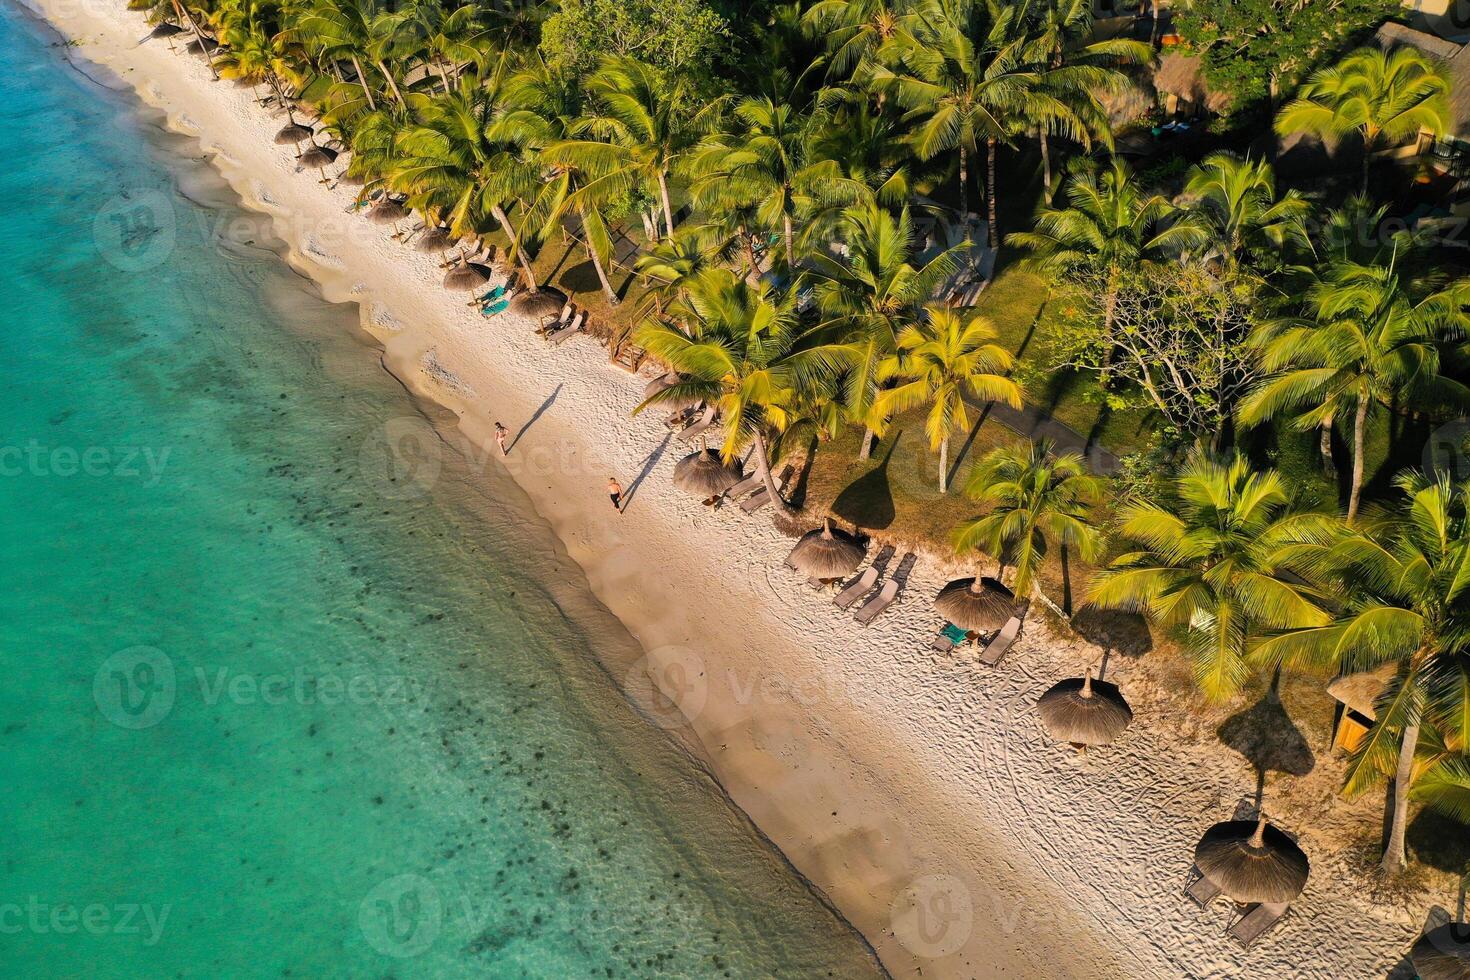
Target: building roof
{"x":1360,"y":692}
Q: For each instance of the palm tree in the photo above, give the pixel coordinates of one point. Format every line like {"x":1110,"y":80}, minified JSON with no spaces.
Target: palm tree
{"x":339,"y":29}
{"x":941,"y":358}
{"x":1109,"y":226}
{"x":1235,"y":198}
{"x":739,"y":350}
{"x":852,"y":30}
{"x":1402,"y":582}
{"x":1036,"y":499}
{"x":873,"y":295}
{"x":1382,"y":96}
{"x":1216,"y":561}
{"x":640,"y":125}
{"x":1367,"y":339}
{"x":672,"y":265}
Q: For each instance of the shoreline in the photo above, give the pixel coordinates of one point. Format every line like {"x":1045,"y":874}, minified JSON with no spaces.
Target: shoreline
{"x":890,"y":778}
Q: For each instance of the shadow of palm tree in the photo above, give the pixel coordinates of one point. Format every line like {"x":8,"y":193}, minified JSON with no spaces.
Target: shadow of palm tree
{"x":1270,"y":741}
{"x":1434,"y":839}
{"x":867,"y":502}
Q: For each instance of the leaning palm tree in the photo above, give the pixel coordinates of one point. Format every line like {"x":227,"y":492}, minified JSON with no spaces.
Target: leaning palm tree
{"x":1109,"y":226}
{"x":1235,"y":199}
{"x":944,"y":359}
{"x":1403,"y":582}
{"x":1036,"y":499}
{"x":1380,"y":96}
{"x":738,"y":348}
{"x":1215,"y":562}
{"x":1366,"y":339}
{"x":873,"y":294}
{"x":340,"y":30}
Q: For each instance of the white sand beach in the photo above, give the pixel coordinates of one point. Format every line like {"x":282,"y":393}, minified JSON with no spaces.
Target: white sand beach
{"x":916,"y":790}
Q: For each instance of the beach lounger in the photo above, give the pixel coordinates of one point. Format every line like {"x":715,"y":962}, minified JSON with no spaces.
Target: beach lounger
{"x":549,"y":323}
{"x":884,"y":557}
{"x":499,"y":306}
{"x":699,"y":427}
{"x":681,"y":418}
{"x":563,"y":332}
{"x":996,"y":648}
{"x":745,"y":486}
{"x":1257,"y":921}
{"x":817,"y":583}
{"x":857,"y":589}
{"x":494,"y":294}
{"x":761,"y":497}
{"x":869,"y":610}
{"x":1201,"y":890}
{"x":948,"y":638}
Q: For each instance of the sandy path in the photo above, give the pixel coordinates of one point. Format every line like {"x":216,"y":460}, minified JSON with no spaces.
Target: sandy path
{"x":918,"y":792}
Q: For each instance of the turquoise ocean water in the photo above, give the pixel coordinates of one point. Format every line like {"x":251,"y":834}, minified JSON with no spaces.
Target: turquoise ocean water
{"x":275,"y":704}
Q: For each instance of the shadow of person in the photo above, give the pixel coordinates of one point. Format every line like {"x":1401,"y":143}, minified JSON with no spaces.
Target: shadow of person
{"x":1270,"y":741}
{"x":649,"y":463}
{"x":535,"y":417}
{"x":867,"y":502}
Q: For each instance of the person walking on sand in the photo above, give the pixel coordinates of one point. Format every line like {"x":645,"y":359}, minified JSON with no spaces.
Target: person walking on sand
{"x":615,"y":491}
{"x":500,"y":434}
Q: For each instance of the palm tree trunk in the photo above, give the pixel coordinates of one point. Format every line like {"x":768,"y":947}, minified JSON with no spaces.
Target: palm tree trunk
{"x":1394,"y":858}
{"x":188,"y":15}
{"x":498,"y":213}
{"x":755,"y":266}
{"x":763,"y":465}
{"x":965,"y":190}
{"x":869,"y":439}
{"x":1324,"y":446}
{"x":607,"y":289}
{"x":1360,"y":420}
{"x":363,"y":81}
{"x":990,"y":228}
{"x":1045,"y":167}
{"x":790,"y":241}
{"x":944,"y":465}
{"x":663,"y":189}
{"x":392,"y":85}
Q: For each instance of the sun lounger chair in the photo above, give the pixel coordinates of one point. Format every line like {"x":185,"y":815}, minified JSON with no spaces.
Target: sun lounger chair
{"x":762,"y":497}
{"x":550,"y":323}
{"x":681,"y":418}
{"x":948,"y":638}
{"x":1257,"y":921}
{"x":869,"y":610}
{"x":563,"y":332}
{"x":1201,"y":890}
{"x":817,"y":583}
{"x":698,"y":428}
{"x":996,"y":648}
{"x":496,"y":293}
{"x":857,"y":589}
{"x":745,"y":486}
{"x":885,"y":555}
{"x":499,"y":306}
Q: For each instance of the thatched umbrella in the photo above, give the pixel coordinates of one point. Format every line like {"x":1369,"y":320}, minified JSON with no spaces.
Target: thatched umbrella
{"x":541,"y":302}
{"x":1084,"y":712}
{"x":982,"y":604}
{"x":293,"y":133}
{"x":704,"y":474}
{"x":1443,"y":953}
{"x":388,"y":212}
{"x":318,"y":158}
{"x":1252,"y":861}
{"x":469,"y":276}
{"x":824,"y":553}
{"x":434,"y":239}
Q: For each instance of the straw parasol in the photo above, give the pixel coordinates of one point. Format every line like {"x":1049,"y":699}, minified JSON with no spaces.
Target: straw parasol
{"x":388,"y":212}
{"x":435,"y":239}
{"x":1084,"y":712}
{"x":541,"y":302}
{"x":824,"y":553}
{"x":1443,"y":953}
{"x":293,"y":133}
{"x":704,"y":474}
{"x":982,"y":604}
{"x":469,"y":276}
{"x":1252,"y":861}
{"x":317,"y":158}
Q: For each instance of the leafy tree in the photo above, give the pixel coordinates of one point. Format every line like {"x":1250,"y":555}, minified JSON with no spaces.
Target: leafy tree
{"x":1402,"y":582}
{"x":1380,"y":96}
{"x":941,"y":359}
{"x":1036,"y":499}
{"x":1216,"y":561}
{"x":676,"y":37}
